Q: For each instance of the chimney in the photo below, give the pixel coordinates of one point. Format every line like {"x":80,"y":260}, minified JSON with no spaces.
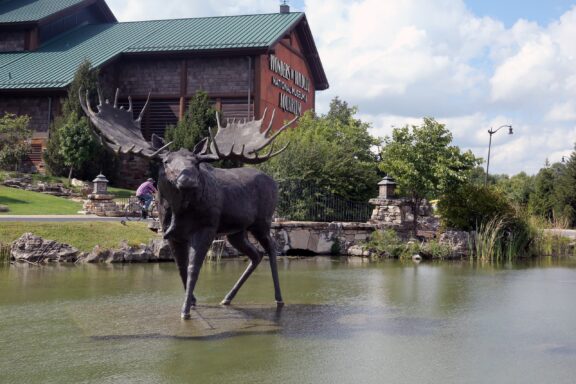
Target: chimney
{"x":284,"y":8}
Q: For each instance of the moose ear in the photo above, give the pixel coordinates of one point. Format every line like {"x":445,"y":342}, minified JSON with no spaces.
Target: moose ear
{"x":201,"y":146}
{"x":157,"y":141}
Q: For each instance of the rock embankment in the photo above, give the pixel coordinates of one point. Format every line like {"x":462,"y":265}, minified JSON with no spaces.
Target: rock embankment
{"x":35,"y":249}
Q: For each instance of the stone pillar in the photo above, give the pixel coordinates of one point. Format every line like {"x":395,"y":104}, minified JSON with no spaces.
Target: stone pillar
{"x":100,"y":202}
{"x":391,"y":211}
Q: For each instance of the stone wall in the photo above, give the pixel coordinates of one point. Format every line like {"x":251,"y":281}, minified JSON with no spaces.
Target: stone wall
{"x":297,"y":237}
{"x":398,"y":214}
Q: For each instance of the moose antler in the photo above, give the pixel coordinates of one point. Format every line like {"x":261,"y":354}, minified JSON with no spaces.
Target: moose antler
{"x":242,"y":140}
{"x":237,"y":141}
{"x":117,"y":127}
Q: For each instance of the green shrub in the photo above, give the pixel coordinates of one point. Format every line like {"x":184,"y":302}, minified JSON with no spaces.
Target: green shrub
{"x":435,"y":250}
{"x":15,"y":136}
{"x":467,"y":207}
{"x":387,"y":244}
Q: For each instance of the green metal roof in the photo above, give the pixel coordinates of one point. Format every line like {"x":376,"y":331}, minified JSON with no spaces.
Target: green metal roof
{"x":218,"y":33}
{"x":14,"y":11}
{"x":53,"y":65}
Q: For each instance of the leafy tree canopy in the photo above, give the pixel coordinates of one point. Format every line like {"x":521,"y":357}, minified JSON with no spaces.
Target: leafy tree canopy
{"x":517,"y":188}
{"x":333,"y":151}
{"x":15,"y":138}
{"x":72,"y":146}
{"x":193,"y":126}
{"x":423,"y":162}
{"x":565,"y":190}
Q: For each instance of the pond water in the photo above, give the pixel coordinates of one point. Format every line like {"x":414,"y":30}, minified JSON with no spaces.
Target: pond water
{"x":344,"y":322}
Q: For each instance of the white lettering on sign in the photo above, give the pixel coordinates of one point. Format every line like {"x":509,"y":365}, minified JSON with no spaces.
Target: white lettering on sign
{"x":289,"y":76}
{"x":291,"y":105}
{"x":291,"y":90}
{"x":289,"y":73}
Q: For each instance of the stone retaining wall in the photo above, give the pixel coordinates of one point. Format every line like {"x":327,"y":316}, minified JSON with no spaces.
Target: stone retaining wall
{"x":319,"y":238}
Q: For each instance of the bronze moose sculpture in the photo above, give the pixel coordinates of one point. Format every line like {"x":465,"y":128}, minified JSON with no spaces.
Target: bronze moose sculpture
{"x":197,"y":201}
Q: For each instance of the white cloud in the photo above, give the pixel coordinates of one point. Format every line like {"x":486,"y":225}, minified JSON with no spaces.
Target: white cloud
{"x":134,"y":10}
{"x":399,"y":61}
{"x":563,"y":111}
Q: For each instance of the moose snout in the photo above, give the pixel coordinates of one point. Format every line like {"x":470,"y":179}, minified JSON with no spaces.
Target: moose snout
{"x":186,"y":180}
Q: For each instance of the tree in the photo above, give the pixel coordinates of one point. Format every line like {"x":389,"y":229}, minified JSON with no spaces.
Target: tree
{"x":331,"y":153}
{"x":72,"y":147}
{"x":193,"y":126}
{"x":15,"y":138}
{"x":77,"y":144}
{"x":517,"y":188}
{"x":424,"y":163}
{"x":542,"y":200}
{"x":565,"y":191}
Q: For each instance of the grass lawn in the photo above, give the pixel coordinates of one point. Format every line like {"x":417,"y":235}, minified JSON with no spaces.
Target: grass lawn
{"x":21,"y":202}
{"x":82,"y":235}
{"x":118,"y":192}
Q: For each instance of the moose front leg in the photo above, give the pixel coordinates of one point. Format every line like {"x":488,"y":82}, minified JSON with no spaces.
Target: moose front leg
{"x":199,"y":246}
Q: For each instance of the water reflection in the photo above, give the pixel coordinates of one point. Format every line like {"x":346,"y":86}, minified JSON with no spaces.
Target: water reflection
{"x":343,"y":322}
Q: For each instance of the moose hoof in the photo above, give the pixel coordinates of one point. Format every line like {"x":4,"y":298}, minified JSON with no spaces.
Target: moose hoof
{"x":225,"y":302}
{"x":279,"y":304}
{"x":185,"y":316}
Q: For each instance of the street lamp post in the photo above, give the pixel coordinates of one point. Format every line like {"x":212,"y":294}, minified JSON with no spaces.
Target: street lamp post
{"x":491,"y":132}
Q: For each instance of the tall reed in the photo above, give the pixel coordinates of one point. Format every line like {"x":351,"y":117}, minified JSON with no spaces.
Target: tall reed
{"x":4,"y":252}
{"x":549,"y":241}
{"x":488,"y":239}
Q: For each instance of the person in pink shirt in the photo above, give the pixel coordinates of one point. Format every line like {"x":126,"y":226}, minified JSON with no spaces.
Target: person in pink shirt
{"x":145,"y":193}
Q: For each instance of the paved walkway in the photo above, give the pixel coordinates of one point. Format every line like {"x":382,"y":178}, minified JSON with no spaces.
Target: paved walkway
{"x":58,"y":218}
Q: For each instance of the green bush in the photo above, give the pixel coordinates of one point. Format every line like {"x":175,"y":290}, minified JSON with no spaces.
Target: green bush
{"x":435,"y":250}
{"x":387,"y":244}
{"x":470,"y":205}
{"x":15,"y":138}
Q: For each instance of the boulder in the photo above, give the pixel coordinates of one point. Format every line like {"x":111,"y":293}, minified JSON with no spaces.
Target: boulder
{"x":32,"y":248}
{"x":156,"y":250}
{"x":98,"y":255}
{"x":136,"y":254}
{"x":160,"y":249}
{"x":358,"y":250}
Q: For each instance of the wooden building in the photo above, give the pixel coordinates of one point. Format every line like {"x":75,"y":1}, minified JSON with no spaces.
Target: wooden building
{"x":245,"y":63}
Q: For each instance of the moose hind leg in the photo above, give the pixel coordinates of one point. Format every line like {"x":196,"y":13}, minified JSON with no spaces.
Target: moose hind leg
{"x":241,"y":243}
{"x":269,"y":245}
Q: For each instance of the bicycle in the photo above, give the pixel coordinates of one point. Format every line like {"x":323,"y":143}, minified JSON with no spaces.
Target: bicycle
{"x":135,"y":210}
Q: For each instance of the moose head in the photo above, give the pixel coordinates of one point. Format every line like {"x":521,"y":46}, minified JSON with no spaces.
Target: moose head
{"x":198,"y":201}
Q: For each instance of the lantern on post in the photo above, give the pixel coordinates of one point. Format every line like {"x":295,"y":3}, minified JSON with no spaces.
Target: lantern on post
{"x":100,"y":185}
{"x":387,"y":188}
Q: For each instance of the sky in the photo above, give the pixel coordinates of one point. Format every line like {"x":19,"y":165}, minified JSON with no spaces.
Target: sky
{"x":473,"y":65}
